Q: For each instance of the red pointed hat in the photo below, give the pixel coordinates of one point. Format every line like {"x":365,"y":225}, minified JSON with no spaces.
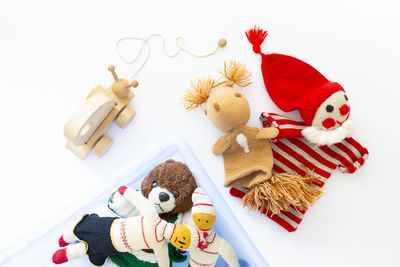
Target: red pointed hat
{"x":292,"y":83}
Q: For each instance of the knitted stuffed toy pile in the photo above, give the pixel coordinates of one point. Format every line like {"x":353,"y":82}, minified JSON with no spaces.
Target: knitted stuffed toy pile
{"x":321,"y":142}
{"x":169,"y":186}
{"x":248,"y":157}
{"x":102,"y":237}
{"x":213,"y":246}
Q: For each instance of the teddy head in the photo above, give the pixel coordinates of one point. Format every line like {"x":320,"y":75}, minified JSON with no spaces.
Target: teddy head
{"x":170,"y":186}
{"x":226,"y":107}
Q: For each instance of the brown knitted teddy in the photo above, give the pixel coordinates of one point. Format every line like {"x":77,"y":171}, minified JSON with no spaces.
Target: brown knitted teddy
{"x":169,"y":186}
{"x":248,"y":157}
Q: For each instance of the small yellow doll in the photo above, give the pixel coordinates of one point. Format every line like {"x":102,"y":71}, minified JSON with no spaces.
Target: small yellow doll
{"x":248,"y":157}
{"x":213,"y":246}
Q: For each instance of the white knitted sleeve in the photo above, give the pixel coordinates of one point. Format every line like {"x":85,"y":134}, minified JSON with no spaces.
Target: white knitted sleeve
{"x":187,"y":218}
{"x":121,"y":206}
{"x":227,"y":253}
{"x":145,"y":207}
{"x":161,"y":253}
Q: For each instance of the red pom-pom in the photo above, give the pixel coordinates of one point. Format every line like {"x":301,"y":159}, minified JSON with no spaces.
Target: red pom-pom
{"x":256,"y":37}
{"x":122,"y":189}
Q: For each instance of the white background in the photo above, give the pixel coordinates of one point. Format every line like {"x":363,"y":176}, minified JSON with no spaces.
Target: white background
{"x":53,"y":53}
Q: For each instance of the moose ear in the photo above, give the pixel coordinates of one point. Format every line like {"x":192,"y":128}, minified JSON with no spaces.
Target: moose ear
{"x":217,"y":107}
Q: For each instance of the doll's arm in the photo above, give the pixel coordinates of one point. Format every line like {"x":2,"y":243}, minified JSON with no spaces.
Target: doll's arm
{"x":289,"y":133}
{"x":227,"y":253}
{"x":187,"y":218}
{"x":357,"y":161}
{"x":222,"y":144}
{"x":287,"y":129}
{"x":121,"y":206}
{"x":267,"y":133}
{"x":161,"y":254}
{"x":145,"y":207}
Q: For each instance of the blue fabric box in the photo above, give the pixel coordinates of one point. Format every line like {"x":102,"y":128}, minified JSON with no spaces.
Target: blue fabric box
{"x":37,"y":248}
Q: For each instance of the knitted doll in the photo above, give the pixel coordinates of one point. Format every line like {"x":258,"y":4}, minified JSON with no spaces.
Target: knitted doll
{"x":101,"y":237}
{"x":293,"y":84}
{"x":169,"y":186}
{"x":207,"y":252}
{"x":305,"y":144}
{"x":248,"y":158}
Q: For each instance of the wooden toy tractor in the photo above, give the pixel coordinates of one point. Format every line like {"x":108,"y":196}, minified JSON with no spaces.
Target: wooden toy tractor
{"x":87,"y":127}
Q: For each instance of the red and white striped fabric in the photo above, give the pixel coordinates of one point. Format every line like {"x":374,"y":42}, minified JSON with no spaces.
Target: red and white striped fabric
{"x":292,"y":153}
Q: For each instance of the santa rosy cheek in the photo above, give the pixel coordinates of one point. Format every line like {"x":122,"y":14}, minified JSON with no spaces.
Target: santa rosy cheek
{"x":329,"y":123}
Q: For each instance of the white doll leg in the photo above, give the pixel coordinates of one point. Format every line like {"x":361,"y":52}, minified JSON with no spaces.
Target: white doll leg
{"x":67,"y":238}
{"x":69,"y":253}
{"x":161,"y":253}
{"x":76,"y":251}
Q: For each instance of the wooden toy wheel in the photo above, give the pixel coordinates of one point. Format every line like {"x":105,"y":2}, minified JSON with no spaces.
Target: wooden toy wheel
{"x":102,"y":146}
{"x":125,"y":117}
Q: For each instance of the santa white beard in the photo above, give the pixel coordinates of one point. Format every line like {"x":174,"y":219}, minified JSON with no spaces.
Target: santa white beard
{"x":328,"y":137}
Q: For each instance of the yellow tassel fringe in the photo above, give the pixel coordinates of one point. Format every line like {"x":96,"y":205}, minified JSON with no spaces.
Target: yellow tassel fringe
{"x":281,"y":191}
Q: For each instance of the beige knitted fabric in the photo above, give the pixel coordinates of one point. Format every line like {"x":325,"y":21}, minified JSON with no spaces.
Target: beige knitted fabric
{"x":248,"y":161}
{"x":248,"y":157}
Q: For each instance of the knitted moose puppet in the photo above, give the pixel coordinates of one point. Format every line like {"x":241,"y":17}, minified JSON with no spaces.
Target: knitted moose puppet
{"x":321,"y":142}
{"x":248,"y":158}
{"x":213,"y":246}
{"x":101,"y":237}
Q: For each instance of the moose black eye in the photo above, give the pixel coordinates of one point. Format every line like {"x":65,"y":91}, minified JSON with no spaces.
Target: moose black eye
{"x":345,"y":97}
{"x":181,"y":246}
{"x":206,"y":221}
{"x":154,"y":184}
{"x":198,"y":219}
{"x":175,"y":194}
{"x":184,"y":238}
{"x":329,"y":108}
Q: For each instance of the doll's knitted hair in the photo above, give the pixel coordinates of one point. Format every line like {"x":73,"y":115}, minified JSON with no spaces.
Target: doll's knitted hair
{"x":233,"y":73}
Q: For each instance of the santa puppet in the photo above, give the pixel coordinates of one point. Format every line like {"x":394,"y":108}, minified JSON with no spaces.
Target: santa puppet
{"x":321,"y":142}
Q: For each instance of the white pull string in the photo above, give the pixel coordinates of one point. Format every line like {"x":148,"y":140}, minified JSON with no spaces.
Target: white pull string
{"x":179,"y":42}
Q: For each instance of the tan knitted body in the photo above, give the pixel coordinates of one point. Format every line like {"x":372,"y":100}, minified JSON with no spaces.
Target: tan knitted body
{"x":248,"y":161}
{"x":248,"y":157}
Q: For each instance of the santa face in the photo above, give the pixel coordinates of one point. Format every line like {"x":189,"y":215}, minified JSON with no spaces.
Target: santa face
{"x":333,"y":112}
